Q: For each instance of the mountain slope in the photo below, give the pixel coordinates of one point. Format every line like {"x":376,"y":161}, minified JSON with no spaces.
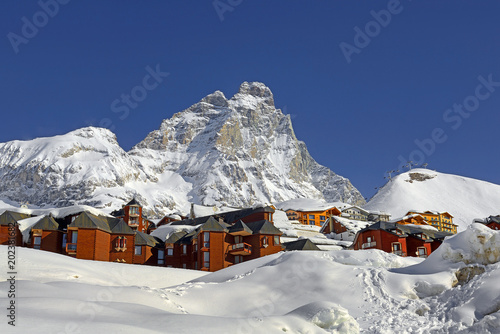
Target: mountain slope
{"x":422,"y":189}
{"x":240,"y":152}
{"x":235,"y":152}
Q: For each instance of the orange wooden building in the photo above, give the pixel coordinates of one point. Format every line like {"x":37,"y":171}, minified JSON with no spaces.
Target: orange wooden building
{"x":443,"y":221}
{"x":316,"y":217}
{"x":100,"y":238}
{"x":9,"y":228}
{"x":222,"y":240}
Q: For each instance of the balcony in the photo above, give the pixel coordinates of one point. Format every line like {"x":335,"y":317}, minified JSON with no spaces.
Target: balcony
{"x":399,"y":253}
{"x":241,"y":248}
{"x":70,"y":248}
{"x":369,"y":245}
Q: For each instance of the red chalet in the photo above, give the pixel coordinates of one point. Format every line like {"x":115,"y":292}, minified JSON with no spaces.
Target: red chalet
{"x":403,"y":240}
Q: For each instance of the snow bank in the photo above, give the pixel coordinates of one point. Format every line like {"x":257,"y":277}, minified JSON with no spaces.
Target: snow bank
{"x":477,"y":244}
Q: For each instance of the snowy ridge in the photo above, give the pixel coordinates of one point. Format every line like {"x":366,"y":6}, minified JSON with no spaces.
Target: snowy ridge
{"x":236,"y":152}
{"x":423,"y":190}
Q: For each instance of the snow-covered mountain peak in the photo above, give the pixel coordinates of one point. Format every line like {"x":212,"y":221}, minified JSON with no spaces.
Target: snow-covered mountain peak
{"x":216,"y":99}
{"x":235,"y":152}
{"x":253,"y":95}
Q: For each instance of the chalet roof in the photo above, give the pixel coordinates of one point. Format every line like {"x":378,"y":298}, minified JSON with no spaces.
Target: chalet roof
{"x":240,"y":226}
{"x":176,"y":236}
{"x":493,"y":219}
{"x":213,"y":225}
{"x":233,"y":216}
{"x":415,"y":215}
{"x":229,"y":217}
{"x":9,"y":217}
{"x":301,"y":244}
{"x":133,"y":202}
{"x":407,"y":229}
{"x":46,"y":223}
{"x":143,"y":239}
{"x":118,"y":213}
{"x":119,"y":226}
{"x":432,"y":212}
{"x":188,"y":238}
{"x":263,"y":227}
{"x":357,"y":208}
{"x":106,"y":224}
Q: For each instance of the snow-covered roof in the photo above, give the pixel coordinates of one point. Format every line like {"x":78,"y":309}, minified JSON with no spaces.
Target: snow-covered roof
{"x":163,"y":232}
{"x":25,"y":226}
{"x":351,"y":225}
{"x":406,"y":217}
{"x":309,"y":205}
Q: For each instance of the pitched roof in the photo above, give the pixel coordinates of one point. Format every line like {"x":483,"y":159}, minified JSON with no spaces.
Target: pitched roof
{"x":119,"y":226}
{"x":176,"y":236}
{"x":264,"y":227}
{"x":133,"y":202}
{"x":47,"y":223}
{"x":107,"y":224}
{"x":233,"y":216}
{"x":301,"y":244}
{"x":240,"y":226}
{"x":213,"y":225}
{"x":230,"y":217}
{"x":9,"y":217}
{"x":143,"y":239}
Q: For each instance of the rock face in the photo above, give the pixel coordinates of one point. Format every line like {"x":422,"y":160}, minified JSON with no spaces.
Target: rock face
{"x":237,"y":152}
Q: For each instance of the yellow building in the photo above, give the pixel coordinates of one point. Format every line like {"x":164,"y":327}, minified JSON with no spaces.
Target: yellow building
{"x":443,"y":221}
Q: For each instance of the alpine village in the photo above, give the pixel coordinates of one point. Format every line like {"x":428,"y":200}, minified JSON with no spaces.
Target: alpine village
{"x":214,"y":242}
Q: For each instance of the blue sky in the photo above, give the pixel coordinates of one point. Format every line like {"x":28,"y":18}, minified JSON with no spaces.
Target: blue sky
{"x":357,"y":117}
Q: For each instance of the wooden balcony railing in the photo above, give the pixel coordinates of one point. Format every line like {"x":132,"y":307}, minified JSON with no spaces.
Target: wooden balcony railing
{"x":241,"y":248}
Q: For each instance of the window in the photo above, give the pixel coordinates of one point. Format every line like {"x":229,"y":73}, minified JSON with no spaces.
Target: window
{"x":121,"y":242}
{"x":133,"y":210}
{"x":238,"y":239}
{"x":184,"y":249}
{"x":138,"y":250}
{"x":206,"y":240}
{"x":206,"y":259}
{"x":396,"y":246}
{"x":170,"y":251}
{"x":322,"y":218}
{"x":369,"y":239}
{"x":161,"y":256}
{"x":37,"y":242}
{"x":277,"y":240}
{"x":74,"y":237}
{"x":238,"y":259}
{"x":264,"y":242}
{"x":311,"y":216}
{"x":311,"y":222}
{"x":422,"y":252}
{"x":184,"y":266}
{"x":64,"y":240}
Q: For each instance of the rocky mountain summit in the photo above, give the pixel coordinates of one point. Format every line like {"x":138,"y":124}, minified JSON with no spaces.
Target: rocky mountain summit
{"x":238,"y":152}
